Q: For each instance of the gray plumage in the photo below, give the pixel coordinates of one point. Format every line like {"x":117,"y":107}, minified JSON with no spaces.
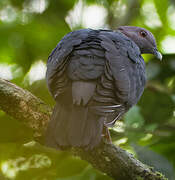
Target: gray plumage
{"x":95,"y":76}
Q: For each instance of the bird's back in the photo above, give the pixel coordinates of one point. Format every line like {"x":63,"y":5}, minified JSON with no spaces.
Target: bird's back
{"x":95,"y":76}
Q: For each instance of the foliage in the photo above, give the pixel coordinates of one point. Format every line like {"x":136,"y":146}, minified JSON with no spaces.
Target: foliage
{"x":30,"y":29}
{"x":33,"y":161}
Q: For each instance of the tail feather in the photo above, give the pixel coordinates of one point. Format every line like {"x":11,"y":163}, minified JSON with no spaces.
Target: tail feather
{"x":75,"y":126}
{"x":98,"y":128}
{"x":93,"y":132}
{"x":50,"y":140}
{"x":61,"y":126}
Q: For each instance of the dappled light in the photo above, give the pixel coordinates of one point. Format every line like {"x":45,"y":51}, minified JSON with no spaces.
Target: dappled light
{"x":12,"y":167}
{"x":94,"y":17}
{"x":8,"y":14}
{"x":171,"y":16}
{"x":121,"y":141}
{"x":119,"y":127}
{"x":88,"y":16}
{"x":36,"y":72}
{"x":5,"y":71}
{"x":150,"y":15}
{"x":31,"y":29}
{"x":168,"y":44}
{"x":35,"y":6}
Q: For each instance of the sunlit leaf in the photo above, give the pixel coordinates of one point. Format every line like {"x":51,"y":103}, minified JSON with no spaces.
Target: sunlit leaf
{"x":162,"y":7}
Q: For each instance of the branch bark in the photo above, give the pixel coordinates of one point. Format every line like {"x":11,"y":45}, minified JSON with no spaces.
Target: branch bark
{"x":108,"y":158}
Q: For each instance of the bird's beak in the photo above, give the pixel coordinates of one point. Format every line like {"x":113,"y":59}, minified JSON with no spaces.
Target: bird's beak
{"x":157,"y":54}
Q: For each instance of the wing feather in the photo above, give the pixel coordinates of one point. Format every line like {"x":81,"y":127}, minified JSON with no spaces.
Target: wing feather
{"x":59,"y":59}
{"x":109,"y":61}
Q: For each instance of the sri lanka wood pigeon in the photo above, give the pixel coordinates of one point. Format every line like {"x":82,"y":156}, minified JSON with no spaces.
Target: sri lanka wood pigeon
{"x":95,"y":76}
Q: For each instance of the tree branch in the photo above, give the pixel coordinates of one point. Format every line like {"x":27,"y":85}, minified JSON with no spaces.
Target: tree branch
{"x":108,"y":158}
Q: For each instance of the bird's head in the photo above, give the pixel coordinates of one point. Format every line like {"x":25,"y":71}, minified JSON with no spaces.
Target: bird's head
{"x":143,"y":38}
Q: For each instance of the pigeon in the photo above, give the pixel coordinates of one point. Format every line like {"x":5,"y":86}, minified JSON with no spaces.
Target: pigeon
{"x":95,"y":77}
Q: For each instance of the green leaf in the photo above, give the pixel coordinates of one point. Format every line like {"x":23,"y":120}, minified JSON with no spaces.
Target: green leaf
{"x":133,"y":118}
{"x":156,"y":107}
{"x":34,"y":162}
{"x":162,"y":7}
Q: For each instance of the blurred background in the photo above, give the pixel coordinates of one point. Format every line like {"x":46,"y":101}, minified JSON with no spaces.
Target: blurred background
{"x":30,"y":29}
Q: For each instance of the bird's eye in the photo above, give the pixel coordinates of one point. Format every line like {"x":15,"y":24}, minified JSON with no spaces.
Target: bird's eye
{"x":143,"y":33}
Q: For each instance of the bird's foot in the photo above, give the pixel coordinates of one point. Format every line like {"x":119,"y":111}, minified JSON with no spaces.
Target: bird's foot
{"x":106,"y":134}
